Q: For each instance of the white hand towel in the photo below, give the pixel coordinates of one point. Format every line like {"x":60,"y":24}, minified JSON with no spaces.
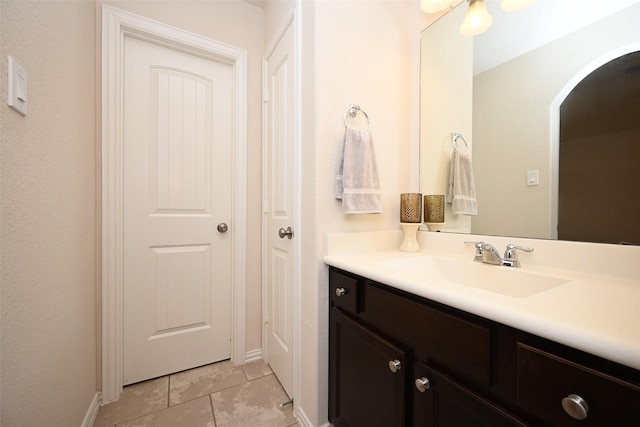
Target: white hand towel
{"x":462,"y":187}
{"x":357,"y":181}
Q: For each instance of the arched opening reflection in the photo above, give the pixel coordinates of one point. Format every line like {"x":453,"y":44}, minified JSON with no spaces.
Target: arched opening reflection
{"x":600,"y":140}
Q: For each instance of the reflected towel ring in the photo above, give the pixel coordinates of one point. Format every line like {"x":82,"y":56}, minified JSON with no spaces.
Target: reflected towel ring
{"x":352,"y":111}
{"x":454,"y":137}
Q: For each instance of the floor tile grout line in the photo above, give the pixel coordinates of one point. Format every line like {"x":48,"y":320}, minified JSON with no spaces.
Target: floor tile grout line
{"x":169,"y":391}
{"x":222,"y":389}
{"x":160,"y":410}
{"x":246,"y":377}
{"x":210,"y":395}
{"x":213,"y":411}
{"x":146,"y":413}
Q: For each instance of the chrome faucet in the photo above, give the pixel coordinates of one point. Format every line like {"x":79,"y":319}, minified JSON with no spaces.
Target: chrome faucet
{"x":487,"y":254}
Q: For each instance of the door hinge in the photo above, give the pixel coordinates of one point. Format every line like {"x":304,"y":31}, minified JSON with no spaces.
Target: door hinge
{"x":265,"y":95}
{"x":265,"y":205}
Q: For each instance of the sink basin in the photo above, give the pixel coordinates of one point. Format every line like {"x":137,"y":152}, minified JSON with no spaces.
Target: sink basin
{"x":508,"y":281}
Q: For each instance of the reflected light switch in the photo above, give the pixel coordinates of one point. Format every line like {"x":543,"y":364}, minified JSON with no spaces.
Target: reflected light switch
{"x":17,"y":90}
{"x":533,"y":178}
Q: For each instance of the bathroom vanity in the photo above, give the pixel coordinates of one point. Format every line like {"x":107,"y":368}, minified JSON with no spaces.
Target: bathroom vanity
{"x":397,"y":359}
{"x":400,"y":358}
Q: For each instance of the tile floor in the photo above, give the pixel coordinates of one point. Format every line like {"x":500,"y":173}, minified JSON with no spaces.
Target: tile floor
{"x":217,"y":395}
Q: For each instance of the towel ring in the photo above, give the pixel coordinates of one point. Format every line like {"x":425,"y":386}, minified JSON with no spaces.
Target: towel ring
{"x":352,"y":111}
{"x":454,"y":137}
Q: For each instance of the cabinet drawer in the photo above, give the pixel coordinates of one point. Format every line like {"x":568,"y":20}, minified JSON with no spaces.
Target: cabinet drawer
{"x":343,"y":290}
{"x":448,"y":341}
{"x":544,"y":380}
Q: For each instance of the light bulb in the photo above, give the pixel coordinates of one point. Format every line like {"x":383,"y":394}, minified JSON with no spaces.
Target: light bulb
{"x":477,"y":20}
{"x":435,"y":6}
{"x":513,"y":5}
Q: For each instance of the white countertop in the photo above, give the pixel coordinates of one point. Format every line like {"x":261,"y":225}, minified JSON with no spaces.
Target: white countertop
{"x":594,"y":313}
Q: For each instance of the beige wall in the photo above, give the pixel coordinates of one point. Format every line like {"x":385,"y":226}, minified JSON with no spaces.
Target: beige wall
{"x":276,"y":16}
{"x":239,"y":24}
{"x":48,"y":235}
{"x":364,"y":52}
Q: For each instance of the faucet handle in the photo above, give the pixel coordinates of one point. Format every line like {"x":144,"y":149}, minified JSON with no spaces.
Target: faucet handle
{"x":479,"y":247}
{"x":510,"y":253}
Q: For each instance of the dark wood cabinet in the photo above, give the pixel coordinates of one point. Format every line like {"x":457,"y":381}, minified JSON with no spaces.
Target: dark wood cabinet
{"x":368,"y":376}
{"x":547,"y":384}
{"x":448,"y":403}
{"x":396,"y":359}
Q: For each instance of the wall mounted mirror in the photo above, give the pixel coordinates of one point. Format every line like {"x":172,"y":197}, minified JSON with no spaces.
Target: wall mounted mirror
{"x":503,"y":90}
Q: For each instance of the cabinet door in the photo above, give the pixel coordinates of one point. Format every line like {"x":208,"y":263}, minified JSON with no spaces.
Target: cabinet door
{"x":363,"y":389}
{"x":443,"y":402}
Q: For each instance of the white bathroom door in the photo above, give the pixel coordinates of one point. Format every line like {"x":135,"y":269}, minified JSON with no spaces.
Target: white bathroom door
{"x":280,"y":216}
{"x":177,"y":206}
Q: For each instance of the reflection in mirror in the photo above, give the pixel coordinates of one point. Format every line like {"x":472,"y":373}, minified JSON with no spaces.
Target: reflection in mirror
{"x":600,"y":137}
{"x":508,"y":108}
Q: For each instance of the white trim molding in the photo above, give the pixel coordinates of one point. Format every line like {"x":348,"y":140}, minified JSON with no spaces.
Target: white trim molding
{"x":296,"y":22}
{"x":253,"y":355}
{"x":116,"y":24}
{"x":92,"y":411}
{"x":304,"y":421}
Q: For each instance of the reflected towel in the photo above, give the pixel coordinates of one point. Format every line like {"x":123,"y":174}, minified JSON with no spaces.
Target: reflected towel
{"x":357,"y":181}
{"x":462,"y":188}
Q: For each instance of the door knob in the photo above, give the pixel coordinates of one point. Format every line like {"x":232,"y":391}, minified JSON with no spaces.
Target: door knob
{"x":222,"y":227}
{"x":288,"y":233}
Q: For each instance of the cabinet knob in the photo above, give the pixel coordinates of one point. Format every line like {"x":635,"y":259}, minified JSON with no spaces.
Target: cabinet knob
{"x":423,"y":384}
{"x":575,"y":406}
{"x":340,"y":291}
{"x":395,"y":365}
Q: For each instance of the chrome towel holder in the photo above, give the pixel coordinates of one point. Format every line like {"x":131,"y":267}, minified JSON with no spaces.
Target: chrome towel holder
{"x":454,"y":137}
{"x":352,"y":111}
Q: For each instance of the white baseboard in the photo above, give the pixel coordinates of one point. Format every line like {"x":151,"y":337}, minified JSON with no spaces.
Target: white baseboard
{"x":253,"y":355}
{"x":90,"y":416}
{"x":303,"y":420}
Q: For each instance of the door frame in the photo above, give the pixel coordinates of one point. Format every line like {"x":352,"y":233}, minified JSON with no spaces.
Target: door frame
{"x":289,"y":20}
{"x":116,"y":24}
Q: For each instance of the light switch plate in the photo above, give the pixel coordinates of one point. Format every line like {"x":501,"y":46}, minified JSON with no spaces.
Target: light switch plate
{"x":17,"y":90}
{"x":533,"y":178}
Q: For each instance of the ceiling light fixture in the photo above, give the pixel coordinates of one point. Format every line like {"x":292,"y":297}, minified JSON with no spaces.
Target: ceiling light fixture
{"x":477,"y":20}
{"x":435,"y":6}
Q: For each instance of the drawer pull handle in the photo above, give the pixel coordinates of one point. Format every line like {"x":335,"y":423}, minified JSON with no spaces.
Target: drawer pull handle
{"x":575,"y":406}
{"x":340,"y":291}
{"x":423,"y":384}
{"x":395,"y":365}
